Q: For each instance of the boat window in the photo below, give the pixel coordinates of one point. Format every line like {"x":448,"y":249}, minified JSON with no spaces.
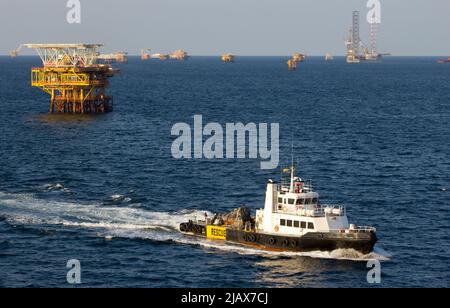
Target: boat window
{"x":310,"y":225}
{"x":303,"y":225}
{"x":314,"y":200}
{"x":296,"y":224}
{"x":289,"y":223}
{"x":291,"y":201}
{"x":282,"y":222}
{"x":280,"y":200}
{"x":300,"y":201}
{"x":307,"y":201}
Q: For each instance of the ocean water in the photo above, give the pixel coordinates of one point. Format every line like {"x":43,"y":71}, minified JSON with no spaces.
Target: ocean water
{"x":105,"y":190}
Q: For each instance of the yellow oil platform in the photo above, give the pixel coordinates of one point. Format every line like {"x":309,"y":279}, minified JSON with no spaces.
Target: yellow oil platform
{"x":72,"y":77}
{"x":292,"y":64}
{"x":298,"y":57}
{"x":227,"y":58}
{"x":179,"y":54}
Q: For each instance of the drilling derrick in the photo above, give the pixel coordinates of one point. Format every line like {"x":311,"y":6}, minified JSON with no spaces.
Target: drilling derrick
{"x":355,"y":32}
{"x":373,"y":37}
{"x":72,"y":77}
{"x":354,"y":41}
{"x":372,"y":54}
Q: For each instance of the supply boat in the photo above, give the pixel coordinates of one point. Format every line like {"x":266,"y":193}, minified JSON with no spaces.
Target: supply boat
{"x":292,"y":219}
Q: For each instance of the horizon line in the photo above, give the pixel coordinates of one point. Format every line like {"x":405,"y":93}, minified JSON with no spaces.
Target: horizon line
{"x":249,"y":55}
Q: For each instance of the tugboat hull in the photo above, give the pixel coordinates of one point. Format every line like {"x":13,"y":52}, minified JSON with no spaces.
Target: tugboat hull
{"x":313,"y":241}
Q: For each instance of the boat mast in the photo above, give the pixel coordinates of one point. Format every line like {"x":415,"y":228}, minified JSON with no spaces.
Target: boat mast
{"x":291,"y":188}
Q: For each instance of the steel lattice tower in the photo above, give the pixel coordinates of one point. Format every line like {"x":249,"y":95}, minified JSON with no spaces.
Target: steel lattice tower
{"x":355,"y":32}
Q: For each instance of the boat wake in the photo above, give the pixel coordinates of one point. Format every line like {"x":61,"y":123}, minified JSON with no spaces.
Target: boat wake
{"x":112,"y":222}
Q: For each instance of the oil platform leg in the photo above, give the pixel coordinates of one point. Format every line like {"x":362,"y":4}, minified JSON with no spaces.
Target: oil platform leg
{"x":52,"y":101}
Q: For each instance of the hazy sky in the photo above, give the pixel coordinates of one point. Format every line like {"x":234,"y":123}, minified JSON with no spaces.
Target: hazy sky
{"x":242,"y":27}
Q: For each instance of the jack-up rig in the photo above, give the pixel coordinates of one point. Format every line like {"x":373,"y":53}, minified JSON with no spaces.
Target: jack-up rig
{"x":73,"y":78}
{"x":354,"y":44}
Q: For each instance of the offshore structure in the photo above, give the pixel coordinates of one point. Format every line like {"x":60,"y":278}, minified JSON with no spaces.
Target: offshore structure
{"x":298,"y":57}
{"x":145,"y":55}
{"x":354,"y":44}
{"x":119,"y":57}
{"x":160,"y":56}
{"x":179,"y":54}
{"x":73,"y":78}
{"x":292,"y":64}
{"x":353,"y":41}
{"x":227,"y":58}
{"x":294,"y":60}
{"x":371,"y":54}
{"x":15,"y":53}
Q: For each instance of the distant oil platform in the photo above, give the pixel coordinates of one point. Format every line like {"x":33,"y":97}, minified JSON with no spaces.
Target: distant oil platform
{"x":73,"y":78}
{"x":228,"y":58}
{"x":354,"y":44}
{"x":294,"y":60}
{"x":145,"y":54}
{"x":15,"y":53}
{"x":119,"y":57}
{"x":179,"y":55}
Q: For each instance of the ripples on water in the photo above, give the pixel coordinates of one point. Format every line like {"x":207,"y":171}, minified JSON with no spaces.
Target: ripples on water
{"x":105,"y":189}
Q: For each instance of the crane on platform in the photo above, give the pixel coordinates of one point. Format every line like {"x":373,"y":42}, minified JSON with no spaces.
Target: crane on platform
{"x":15,"y":53}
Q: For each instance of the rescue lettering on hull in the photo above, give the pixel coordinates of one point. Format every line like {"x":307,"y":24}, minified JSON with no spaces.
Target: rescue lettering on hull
{"x":214,"y":232}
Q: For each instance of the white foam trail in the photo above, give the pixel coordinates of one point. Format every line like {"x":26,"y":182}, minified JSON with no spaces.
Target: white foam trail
{"x":126,"y":222}
{"x":25,"y":208}
{"x":120,"y":198}
{"x":52,"y":187}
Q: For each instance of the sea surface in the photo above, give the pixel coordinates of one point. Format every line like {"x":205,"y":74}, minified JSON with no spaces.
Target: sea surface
{"x":105,"y":190}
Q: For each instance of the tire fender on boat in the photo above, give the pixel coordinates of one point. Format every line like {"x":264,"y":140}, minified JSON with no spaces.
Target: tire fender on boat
{"x":293,"y":243}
